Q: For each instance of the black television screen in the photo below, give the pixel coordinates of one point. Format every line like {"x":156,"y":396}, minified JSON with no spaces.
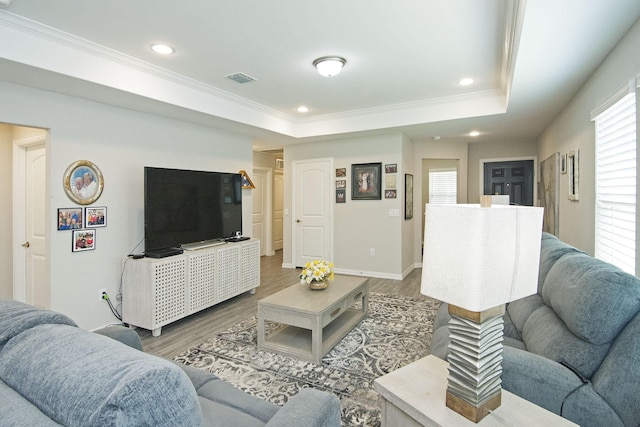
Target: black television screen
{"x":185,"y":206}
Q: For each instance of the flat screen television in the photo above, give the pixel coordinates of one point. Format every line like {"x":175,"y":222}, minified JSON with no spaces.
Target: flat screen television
{"x":186,"y":206}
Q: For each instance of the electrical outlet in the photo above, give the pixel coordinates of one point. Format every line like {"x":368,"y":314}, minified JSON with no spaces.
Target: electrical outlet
{"x":372,"y":251}
{"x":100,"y":292}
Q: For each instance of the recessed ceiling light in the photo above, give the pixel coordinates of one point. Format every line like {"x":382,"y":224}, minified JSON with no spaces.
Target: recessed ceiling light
{"x":466,"y":81}
{"x":303,"y":109}
{"x":162,"y":49}
{"x":474,"y":133}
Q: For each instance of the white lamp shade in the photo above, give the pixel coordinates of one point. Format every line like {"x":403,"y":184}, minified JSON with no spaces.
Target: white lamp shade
{"x":478,"y":258}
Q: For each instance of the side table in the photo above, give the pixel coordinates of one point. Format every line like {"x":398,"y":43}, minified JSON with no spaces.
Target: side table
{"x":414,"y":395}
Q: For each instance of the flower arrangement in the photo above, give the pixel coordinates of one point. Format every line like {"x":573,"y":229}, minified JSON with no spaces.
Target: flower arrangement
{"x":317,"y":270}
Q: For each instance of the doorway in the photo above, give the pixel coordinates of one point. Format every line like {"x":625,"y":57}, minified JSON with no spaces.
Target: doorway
{"x":514,"y":178}
{"x":278,"y":210}
{"x":30,"y":271}
{"x":312,"y":211}
{"x":446,"y":188}
{"x":262,"y":209}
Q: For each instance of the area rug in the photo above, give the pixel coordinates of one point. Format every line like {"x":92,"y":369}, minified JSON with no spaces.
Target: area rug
{"x":396,"y":331}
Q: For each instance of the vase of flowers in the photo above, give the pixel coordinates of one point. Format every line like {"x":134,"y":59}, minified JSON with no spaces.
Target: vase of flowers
{"x":317,"y":274}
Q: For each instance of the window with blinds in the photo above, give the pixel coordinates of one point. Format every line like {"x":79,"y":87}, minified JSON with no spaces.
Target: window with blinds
{"x":615,"y":235}
{"x":443,"y":186}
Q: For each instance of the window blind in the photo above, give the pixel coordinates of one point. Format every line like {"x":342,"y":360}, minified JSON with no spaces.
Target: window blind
{"x":615,"y":235}
{"x":443,"y":186}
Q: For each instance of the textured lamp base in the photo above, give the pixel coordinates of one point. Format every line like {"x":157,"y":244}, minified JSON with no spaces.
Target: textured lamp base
{"x":475,"y":361}
{"x":471,"y":411}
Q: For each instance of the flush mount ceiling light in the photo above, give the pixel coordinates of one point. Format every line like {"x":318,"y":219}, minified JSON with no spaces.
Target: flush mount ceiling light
{"x":162,"y":49}
{"x":329,"y":66}
{"x":474,"y":133}
{"x":466,"y":81}
{"x":303,"y":109}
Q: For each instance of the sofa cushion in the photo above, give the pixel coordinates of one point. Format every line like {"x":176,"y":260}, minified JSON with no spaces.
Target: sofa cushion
{"x":212,"y":388}
{"x":546,"y":334}
{"x":220,"y":415}
{"x":440,"y":342}
{"x":78,"y":378}
{"x":16,"y":317}
{"x":316,"y":407}
{"x":510,"y":329}
{"x":520,"y":310}
{"x":16,"y":411}
{"x":555,"y":388}
{"x":618,"y":378}
{"x":587,"y":408}
{"x":594,"y":299}
{"x":551,"y":250}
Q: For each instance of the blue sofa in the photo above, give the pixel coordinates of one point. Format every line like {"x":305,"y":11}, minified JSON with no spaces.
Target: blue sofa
{"x":574,"y":347}
{"x":53,"y":373}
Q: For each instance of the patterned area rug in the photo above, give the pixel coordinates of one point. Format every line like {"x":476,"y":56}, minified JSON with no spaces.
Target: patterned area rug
{"x":396,"y":331}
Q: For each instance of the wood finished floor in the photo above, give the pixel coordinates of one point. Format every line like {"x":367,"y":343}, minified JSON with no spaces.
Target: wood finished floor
{"x":196,"y":328}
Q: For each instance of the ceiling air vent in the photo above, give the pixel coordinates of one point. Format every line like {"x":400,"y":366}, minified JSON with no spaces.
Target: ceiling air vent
{"x":240,"y":78}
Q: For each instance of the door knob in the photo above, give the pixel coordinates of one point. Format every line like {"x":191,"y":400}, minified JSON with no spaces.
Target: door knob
{"x":26,"y":245}
{"x":298,"y":221}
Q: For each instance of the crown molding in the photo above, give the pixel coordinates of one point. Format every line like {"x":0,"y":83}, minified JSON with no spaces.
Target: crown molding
{"x":514,"y":19}
{"x":52,"y":50}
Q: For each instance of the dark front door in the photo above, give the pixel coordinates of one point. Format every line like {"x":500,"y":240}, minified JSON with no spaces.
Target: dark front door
{"x":514,"y":178}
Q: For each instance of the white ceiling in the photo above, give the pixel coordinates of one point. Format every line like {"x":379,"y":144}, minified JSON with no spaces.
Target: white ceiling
{"x":403,"y":61}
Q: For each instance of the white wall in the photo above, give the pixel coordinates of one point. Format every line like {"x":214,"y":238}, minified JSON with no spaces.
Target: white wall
{"x":120,"y":142}
{"x":359,"y":225}
{"x":6,"y":246}
{"x":410,"y":228}
{"x":573,"y":129}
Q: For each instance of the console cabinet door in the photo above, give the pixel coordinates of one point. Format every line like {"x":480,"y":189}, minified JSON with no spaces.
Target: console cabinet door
{"x":157,"y":292}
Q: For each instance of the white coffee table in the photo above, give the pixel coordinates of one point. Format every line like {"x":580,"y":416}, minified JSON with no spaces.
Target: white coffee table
{"x":414,"y":395}
{"x":316,"y":319}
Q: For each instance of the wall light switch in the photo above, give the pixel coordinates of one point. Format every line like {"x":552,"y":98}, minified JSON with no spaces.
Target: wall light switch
{"x":394,"y":212}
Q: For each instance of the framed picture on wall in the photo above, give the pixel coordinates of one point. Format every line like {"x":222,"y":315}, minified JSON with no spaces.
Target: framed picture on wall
{"x":83,"y":240}
{"x":408,"y":196}
{"x":70,"y":218}
{"x":366,"y":181}
{"x":246,"y":181}
{"x":83,"y":182}
{"x":96,"y":216}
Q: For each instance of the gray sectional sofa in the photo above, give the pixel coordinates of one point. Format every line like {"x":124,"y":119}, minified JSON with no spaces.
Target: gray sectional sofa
{"x":574,"y":347}
{"x":53,"y":373}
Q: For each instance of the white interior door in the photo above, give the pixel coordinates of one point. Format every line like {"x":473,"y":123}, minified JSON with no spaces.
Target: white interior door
{"x":313,"y":211}
{"x":278,"y":210}
{"x":262,"y":207}
{"x":31,"y":282}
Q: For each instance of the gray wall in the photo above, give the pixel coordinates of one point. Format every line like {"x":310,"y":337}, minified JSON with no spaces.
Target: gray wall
{"x":120,"y":142}
{"x":360,"y":224}
{"x":6,"y":242}
{"x":573,"y":129}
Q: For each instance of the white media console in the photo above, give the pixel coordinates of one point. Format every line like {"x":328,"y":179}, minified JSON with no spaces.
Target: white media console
{"x":158,"y":291}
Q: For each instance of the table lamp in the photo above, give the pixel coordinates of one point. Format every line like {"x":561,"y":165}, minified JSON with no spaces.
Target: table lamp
{"x":476,"y":259}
